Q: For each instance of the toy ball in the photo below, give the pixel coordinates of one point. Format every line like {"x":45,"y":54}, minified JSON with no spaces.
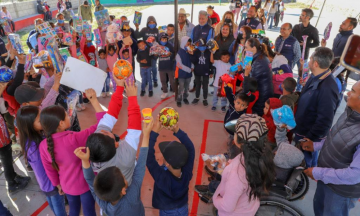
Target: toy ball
{"x":168,"y":117}
{"x":6,"y":74}
{"x":122,"y":69}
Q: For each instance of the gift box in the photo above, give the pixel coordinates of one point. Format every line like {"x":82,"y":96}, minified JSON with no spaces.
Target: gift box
{"x":78,"y":23}
{"x":52,"y":48}
{"x":98,"y":39}
{"x":103,"y":19}
{"x":137,"y":17}
{"x":16,"y":43}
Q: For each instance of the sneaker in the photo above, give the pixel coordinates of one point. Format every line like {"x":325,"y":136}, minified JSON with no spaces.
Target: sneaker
{"x":195,"y":101}
{"x":103,"y":94}
{"x":211,"y":85}
{"x":108,"y":94}
{"x":205,"y":103}
{"x":164,"y":95}
{"x":155,"y":84}
{"x":142,"y":93}
{"x":213,"y":109}
{"x":186,"y":101}
{"x":151,"y":93}
{"x":202,"y":189}
{"x":206,"y":198}
{"x":85,"y":100}
{"x":223,"y":109}
{"x":20,"y":183}
{"x":178,"y":104}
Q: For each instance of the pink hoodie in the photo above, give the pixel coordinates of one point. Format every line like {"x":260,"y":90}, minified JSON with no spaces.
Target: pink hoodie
{"x":70,"y":175}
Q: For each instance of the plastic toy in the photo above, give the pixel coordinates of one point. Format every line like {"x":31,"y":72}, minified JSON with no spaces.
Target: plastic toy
{"x":6,"y":74}
{"x":137,"y":17}
{"x":168,"y":117}
{"x":212,"y":45}
{"x":103,"y":19}
{"x":113,"y":33}
{"x":284,"y":115}
{"x":42,"y":60}
{"x":16,"y":43}
{"x":122,"y":69}
{"x":247,"y":60}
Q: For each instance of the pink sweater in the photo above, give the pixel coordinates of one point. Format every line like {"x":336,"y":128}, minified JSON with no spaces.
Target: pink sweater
{"x":70,"y":175}
{"x":231,"y":198}
{"x":111,"y":61}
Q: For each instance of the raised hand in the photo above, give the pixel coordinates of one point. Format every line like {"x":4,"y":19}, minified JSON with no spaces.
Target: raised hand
{"x":82,"y":155}
{"x":131,"y":88}
{"x":90,"y":94}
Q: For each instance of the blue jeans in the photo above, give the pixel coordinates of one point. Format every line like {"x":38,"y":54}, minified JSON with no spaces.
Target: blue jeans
{"x":146,"y":78}
{"x":326,"y":202}
{"x":57,"y":204}
{"x":4,"y":211}
{"x":311,"y":158}
{"x":216,"y":98}
{"x":271,"y":17}
{"x":154,"y":70}
{"x":85,"y":200}
{"x":107,"y":84}
{"x":182,"y":211}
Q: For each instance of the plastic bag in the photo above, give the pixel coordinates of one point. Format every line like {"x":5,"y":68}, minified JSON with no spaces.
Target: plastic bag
{"x":284,"y":115}
{"x":217,"y":161}
{"x":225,"y":79}
{"x":71,"y":101}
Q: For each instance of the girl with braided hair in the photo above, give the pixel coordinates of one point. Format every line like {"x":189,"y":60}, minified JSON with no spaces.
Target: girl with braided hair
{"x":61,"y":166}
{"x":249,"y":174}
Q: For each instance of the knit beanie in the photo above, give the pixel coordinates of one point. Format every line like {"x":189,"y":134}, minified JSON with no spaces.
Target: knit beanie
{"x":250,"y":127}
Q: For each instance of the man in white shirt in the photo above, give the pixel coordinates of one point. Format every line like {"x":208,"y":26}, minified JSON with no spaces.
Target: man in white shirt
{"x":6,"y":14}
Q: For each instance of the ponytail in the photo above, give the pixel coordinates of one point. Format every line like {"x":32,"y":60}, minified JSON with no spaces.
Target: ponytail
{"x":264,"y":50}
{"x":50,"y":143}
{"x":50,"y":118}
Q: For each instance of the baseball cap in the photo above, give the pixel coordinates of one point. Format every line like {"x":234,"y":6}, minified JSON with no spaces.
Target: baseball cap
{"x":29,"y":92}
{"x":174,"y":153}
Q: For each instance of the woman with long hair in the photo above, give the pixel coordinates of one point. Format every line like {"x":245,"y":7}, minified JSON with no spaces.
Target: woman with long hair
{"x":271,"y":16}
{"x":250,"y":174}
{"x":237,"y":47}
{"x":228,"y":17}
{"x":261,"y":71}
{"x":261,"y":16}
{"x":224,"y":39}
{"x":266,"y":7}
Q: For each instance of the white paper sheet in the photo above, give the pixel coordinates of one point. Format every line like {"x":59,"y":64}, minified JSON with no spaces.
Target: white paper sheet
{"x":80,"y":75}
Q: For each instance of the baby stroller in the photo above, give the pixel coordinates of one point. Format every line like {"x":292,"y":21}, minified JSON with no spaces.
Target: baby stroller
{"x":290,"y":185}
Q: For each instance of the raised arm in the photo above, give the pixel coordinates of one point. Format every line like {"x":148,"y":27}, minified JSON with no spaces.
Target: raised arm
{"x":19,"y":77}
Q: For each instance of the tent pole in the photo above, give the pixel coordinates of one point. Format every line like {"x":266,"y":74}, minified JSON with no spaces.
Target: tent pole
{"x":320,"y":13}
{"x":192,"y":10}
{"x":176,"y":44}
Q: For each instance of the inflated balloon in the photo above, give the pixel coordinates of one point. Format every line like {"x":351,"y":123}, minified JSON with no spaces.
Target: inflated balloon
{"x":122,"y":69}
{"x":6,"y":74}
{"x":168,"y":117}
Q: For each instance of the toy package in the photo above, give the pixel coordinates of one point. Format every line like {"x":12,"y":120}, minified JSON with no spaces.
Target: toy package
{"x":5,"y":24}
{"x":117,"y":22}
{"x":6,"y":74}
{"x":212,"y":45}
{"x":162,"y":29}
{"x":64,"y":52}
{"x":42,"y":60}
{"x":284,"y":115}
{"x":71,"y":101}
{"x":159,"y":50}
{"x":98,"y":39}
{"x":87,"y":29}
{"x":217,"y":161}
{"x":229,"y":81}
{"x":239,"y":54}
{"x":78,"y":23}
{"x":199,"y":43}
{"x":247,"y":60}
{"x":150,"y":40}
{"x":137,"y":17}
{"x":305,"y":71}
{"x":113,"y":33}
{"x":45,"y":28}
{"x":16,"y":43}
{"x":28,"y":62}
{"x":52,"y":48}
{"x":44,"y":40}
{"x":67,"y":39}
{"x":103,"y":19}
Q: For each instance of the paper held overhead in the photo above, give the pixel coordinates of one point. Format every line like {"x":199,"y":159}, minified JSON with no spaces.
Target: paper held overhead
{"x":80,"y":75}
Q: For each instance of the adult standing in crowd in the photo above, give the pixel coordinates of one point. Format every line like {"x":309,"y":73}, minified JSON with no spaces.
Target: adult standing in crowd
{"x":261,"y":72}
{"x":86,"y":12}
{"x":277,"y":13}
{"x":287,"y":45}
{"x":345,"y":31}
{"x":338,"y":171}
{"x":266,"y":7}
{"x":244,"y":34}
{"x":317,"y":103}
{"x":305,"y":28}
{"x":202,"y":31}
{"x":251,"y":20}
{"x":214,"y":17}
{"x":228,"y":17}
{"x":185,"y":27}
{"x":98,"y":6}
{"x":272,"y":11}
{"x":6,"y":14}
{"x":224,"y":39}
{"x":40,"y":9}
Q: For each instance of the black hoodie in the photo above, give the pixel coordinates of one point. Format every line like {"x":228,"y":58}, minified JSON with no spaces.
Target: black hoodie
{"x":147,"y":32}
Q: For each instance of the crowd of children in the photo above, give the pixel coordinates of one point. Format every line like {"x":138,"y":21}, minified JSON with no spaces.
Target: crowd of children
{"x":94,"y":165}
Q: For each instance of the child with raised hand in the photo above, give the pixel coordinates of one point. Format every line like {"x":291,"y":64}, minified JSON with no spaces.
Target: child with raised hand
{"x":61,"y":166}
{"x":30,"y":133}
{"x":110,"y":189}
{"x":126,"y":54}
{"x":172,"y":179}
{"x":106,"y":151}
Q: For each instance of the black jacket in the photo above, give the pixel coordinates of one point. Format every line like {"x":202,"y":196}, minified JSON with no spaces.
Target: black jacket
{"x":39,"y":8}
{"x":313,"y":37}
{"x":260,"y":70}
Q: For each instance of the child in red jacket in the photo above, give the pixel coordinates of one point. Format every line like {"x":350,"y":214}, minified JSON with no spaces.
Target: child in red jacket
{"x":271,"y":103}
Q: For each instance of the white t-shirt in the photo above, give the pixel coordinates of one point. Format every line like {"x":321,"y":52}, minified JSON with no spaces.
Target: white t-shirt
{"x":221,"y":69}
